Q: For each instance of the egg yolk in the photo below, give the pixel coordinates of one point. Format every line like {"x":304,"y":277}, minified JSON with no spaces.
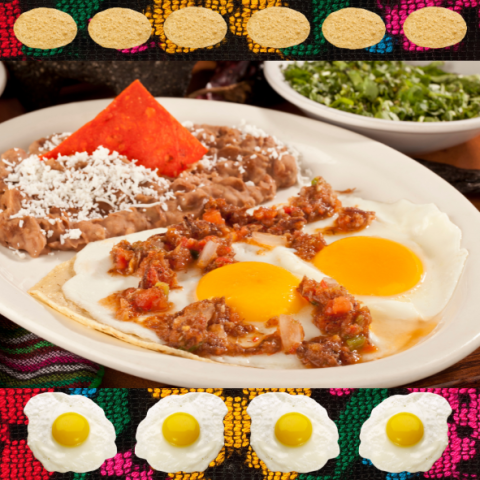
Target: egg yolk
{"x":405,"y":429}
{"x":370,"y":265}
{"x":293,"y":429}
{"x":181,"y":429}
{"x":70,"y":429}
{"x":257,"y":291}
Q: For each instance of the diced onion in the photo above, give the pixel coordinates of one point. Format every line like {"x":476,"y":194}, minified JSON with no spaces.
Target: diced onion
{"x":269,"y":239}
{"x":291,"y":333}
{"x":330,"y":282}
{"x":208,"y":254}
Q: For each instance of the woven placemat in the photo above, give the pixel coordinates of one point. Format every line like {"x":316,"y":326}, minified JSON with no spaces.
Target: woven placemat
{"x":349,"y":408}
{"x":237,"y":45}
{"x":27,"y":360}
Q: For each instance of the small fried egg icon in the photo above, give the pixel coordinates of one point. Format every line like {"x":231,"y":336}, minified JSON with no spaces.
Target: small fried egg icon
{"x":69,"y":433}
{"x":292,"y":432}
{"x":182,"y":432}
{"x":406,"y":433}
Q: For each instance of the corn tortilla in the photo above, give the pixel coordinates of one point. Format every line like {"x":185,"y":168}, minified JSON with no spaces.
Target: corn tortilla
{"x":195,"y":27}
{"x":45,"y":28}
{"x":120,"y":28}
{"x":49,"y":291}
{"x":353,"y":28}
{"x":435,"y":27}
{"x":278,"y":27}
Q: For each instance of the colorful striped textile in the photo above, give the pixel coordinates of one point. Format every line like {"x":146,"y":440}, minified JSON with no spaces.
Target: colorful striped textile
{"x":29,"y":361}
{"x":348,"y":408}
{"x":238,"y":44}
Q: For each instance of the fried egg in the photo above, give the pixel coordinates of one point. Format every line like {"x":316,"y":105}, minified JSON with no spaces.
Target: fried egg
{"x":69,"y":433}
{"x":292,"y":432}
{"x":406,"y":433}
{"x":404,"y":267}
{"x":182,"y":432}
{"x":410,"y":253}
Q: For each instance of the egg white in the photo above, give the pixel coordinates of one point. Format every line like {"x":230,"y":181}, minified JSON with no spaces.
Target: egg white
{"x":426,"y":231}
{"x":264,"y":412}
{"x":92,"y":283}
{"x":209,"y":410}
{"x":43,"y":409}
{"x":396,"y":319}
{"x":432,"y":409}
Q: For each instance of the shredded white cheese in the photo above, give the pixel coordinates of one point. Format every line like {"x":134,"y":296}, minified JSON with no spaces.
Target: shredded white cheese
{"x":82,"y":182}
{"x":208,"y":162}
{"x":53,"y":141}
{"x":18,"y":253}
{"x":73,"y":233}
{"x":248,"y":129}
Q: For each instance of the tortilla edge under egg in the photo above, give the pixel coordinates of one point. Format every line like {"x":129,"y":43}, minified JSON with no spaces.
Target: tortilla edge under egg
{"x":49,"y":291}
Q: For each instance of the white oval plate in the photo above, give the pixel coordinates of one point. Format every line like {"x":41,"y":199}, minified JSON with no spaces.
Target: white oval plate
{"x":346,"y":160}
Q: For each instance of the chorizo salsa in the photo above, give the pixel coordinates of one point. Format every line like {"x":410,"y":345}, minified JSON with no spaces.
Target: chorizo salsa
{"x":212,"y":328}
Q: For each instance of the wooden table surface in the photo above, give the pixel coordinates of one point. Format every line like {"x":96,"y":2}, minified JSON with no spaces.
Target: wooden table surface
{"x":465,"y":373}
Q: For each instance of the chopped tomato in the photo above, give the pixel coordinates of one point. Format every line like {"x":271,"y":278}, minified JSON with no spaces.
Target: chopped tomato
{"x":121,"y":262}
{"x":157,"y":270}
{"x":121,"y":259}
{"x":152,"y":299}
{"x":213,"y":216}
{"x":222,"y":261}
{"x":338,"y":306}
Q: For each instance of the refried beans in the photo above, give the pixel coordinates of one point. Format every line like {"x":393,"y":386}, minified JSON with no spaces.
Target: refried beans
{"x":68,"y":202}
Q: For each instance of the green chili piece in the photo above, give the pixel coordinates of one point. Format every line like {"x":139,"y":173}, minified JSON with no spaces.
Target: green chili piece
{"x":355,"y":343}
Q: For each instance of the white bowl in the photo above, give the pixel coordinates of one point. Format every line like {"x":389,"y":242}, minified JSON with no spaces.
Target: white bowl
{"x":3,"y":77}
{"x":408,"y":137}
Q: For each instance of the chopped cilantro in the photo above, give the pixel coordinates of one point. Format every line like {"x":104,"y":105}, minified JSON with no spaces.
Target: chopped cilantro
{"x":388,"y":90}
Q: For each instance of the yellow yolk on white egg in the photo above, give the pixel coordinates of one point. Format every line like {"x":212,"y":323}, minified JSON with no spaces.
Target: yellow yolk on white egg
{"x":257,"y":291}
{"x":291,"y":433}
{"x":182,"y":433}
{"x":70,"y":429}
{"x":405,"y":429}
{"x":181,"y":429}
{"x":370,"y":265}
{"x":293,"y":429}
